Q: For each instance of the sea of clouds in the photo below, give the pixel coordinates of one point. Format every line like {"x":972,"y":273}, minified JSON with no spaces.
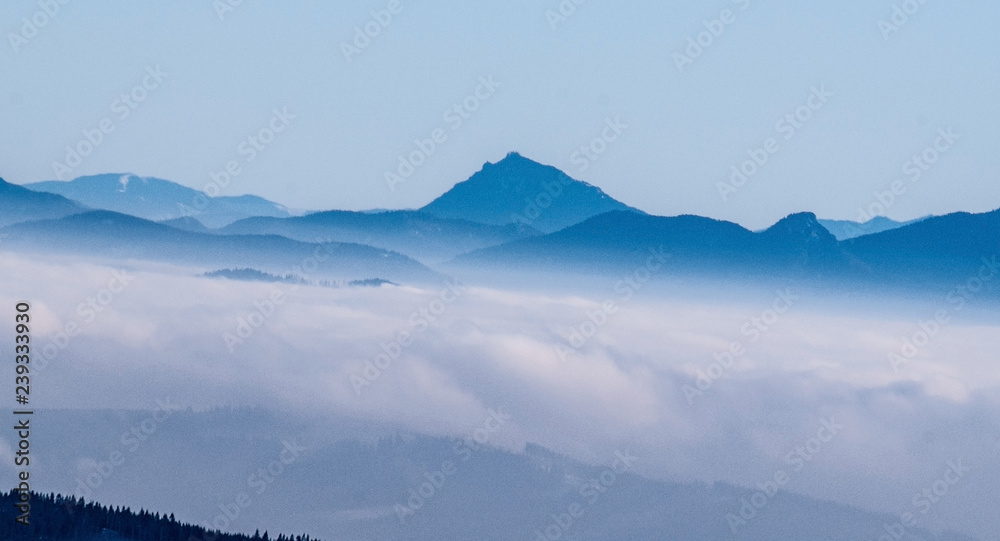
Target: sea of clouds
{"x":654,"y":373}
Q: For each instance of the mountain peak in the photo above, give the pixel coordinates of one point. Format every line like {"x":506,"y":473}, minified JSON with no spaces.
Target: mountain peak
{"x":513,"y":158}
{"x":514,"y":155}
{"x":513,"y":162}
{"x":520,"y":190}
{"x":801,"y":225}
{"x":808,"y":244}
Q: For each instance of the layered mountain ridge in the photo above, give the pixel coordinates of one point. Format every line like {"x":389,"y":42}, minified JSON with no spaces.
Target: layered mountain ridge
{"x":512,"y":215}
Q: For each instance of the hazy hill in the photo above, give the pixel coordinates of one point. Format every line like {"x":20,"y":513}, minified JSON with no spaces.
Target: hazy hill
{"x":19,"y":204}
{"x":949,"y":247}
{"x":187,"y":223}
{"x":847,"y":229}
{"x":119,"y":236}
{"x":344,"y":487}
{"x":621,"y":241}
{"x":414,"y":233}
{"x":930,"y":256}
{"x":157,"y":199}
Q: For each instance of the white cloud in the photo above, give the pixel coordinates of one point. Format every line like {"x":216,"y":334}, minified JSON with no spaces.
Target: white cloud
{"x":162,"y":336}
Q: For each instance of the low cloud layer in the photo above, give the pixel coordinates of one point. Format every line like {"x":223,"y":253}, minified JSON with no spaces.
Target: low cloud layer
{"x":707,"y":390}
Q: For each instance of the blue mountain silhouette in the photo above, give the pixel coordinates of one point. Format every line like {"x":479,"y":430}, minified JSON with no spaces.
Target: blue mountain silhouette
{"x":157,"y":199}
{"x":415,"y":233}
{"x":519,"y":190}
{"x":120,"y":236}
{"x":19,"y":204}
{"x":621,"y":240}
{"x":847,"y":229}
{"x":514,"y":215}
{"x":953,"y":247}
{"x":932,"y":255}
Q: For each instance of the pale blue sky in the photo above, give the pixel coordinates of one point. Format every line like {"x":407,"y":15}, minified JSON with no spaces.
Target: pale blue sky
{"x":685,"y":129}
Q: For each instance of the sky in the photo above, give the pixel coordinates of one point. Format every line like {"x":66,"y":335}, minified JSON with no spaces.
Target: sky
{"x":669,"y":129}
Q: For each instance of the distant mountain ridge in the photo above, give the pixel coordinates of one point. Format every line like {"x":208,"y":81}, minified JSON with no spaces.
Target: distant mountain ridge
{"x":517,"y":190}
{"x":415,"y":233}
{"x":514,"y":215}
{"x":495,"y":495}
{"x":187,"y":223}
{"x":19,"y":204}
{"x":618,"y":241}
{"x":931,"y":255}
{"x":157,"y":199}
{"x":119,"y":236}
{"x":846,"y":229}
{"x":957,"y":247}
